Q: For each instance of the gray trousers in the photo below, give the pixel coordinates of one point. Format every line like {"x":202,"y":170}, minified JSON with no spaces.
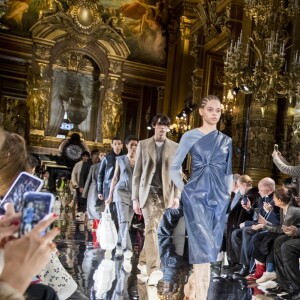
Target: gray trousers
{"x":125,"y":215}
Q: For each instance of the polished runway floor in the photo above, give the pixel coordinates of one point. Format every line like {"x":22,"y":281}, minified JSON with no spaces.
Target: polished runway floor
{"x":81,"y":256}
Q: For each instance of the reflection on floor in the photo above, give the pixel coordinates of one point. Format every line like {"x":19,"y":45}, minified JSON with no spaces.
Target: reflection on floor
{"x":81,"y":255}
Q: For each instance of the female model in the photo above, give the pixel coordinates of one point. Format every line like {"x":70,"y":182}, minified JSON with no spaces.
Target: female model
{"x":206,"y":196}
{"x":120,"y":193}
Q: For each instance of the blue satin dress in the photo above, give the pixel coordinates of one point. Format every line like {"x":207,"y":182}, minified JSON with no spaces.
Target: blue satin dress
{"x":206,"y":196}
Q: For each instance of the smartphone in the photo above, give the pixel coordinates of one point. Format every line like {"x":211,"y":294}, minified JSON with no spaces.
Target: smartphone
{"x":244,"y":200}
{"x":276,"y":147}
{"x":256,"y":210}
{"x":36,"y":206}
{"x":25,"y":182}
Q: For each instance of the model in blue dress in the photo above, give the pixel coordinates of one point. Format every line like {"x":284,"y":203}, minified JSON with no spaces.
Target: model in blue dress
{"x":206,"y":196}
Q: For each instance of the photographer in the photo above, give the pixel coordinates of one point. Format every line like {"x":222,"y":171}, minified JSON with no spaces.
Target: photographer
{"x":20,"y":259}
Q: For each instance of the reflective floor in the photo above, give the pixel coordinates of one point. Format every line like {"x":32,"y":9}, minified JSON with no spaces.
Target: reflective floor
{"x":81,"y":256}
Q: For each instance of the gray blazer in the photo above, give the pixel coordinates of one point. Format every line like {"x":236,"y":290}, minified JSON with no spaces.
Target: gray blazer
{"x":285,"y":168}
{"x":292,"y":217}
{"x":122,"y":190}
{"x":145,"y":165}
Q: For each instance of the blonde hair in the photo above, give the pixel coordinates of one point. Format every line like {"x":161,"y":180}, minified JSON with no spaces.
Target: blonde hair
{"x":245,"y":179}
{"x":13,"y":159}
{"x":205,"y":99}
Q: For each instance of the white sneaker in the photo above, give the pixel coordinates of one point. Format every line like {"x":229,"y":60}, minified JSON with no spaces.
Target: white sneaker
{"x":127,"y":266}
{"x":268,"y":284}
{"x":155,"y":277}
{"x":82,"y":216}
{"x":267,"y":276}
{"x":143,"y":269}
{"x":152,"y":293}
{"x":119,"y":252}
{"x":127,"y":254}
{"x":143,"y":278}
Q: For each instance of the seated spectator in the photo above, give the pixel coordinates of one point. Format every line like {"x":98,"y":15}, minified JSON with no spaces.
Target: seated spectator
{"x":236,"y":216}
{"x":289,"y":215}
{"x":265,"y":208}
{"x":286,"y":256}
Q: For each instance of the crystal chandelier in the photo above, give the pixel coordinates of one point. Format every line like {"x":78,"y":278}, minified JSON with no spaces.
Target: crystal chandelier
{"x":259,"y":66}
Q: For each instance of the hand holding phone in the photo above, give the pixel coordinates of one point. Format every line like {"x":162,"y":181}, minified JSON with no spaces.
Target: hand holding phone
{"x":276,"y":147}
{"x":36,"y":206}
{"x":25,"y":182}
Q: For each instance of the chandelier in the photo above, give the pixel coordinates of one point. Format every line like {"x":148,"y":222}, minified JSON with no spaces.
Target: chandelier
{"x":182,"y":121}
{"x":259,"y":66}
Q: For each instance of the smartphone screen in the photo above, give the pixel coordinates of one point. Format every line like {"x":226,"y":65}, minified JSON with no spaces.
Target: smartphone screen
{"x":275,"y":147}
{"x":36,"y":206}
{"x":25,"y":182}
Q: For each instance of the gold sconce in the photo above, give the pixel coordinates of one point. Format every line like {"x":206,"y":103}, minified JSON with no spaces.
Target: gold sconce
{"x":229,"y":101}
{"x":182,"y":120}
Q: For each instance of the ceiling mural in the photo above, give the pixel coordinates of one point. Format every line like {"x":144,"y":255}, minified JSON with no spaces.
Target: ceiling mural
{"x":141,"y":23}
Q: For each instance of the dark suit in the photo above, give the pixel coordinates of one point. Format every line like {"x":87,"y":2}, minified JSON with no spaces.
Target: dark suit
{"x":104,"y":178}
{"x":286,"y":256}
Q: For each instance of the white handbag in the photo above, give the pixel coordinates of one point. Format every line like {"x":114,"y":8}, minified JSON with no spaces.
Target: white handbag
{"x":106,"y":232}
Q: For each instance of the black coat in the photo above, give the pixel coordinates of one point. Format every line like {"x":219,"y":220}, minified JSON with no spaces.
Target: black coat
{"x":106,"y":173}
{"x":236,"y":216}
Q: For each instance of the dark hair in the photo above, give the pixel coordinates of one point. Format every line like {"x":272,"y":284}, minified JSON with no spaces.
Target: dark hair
{"x":253,"y":195}
{"x":116,"y":138}
{"x":286,"y":196}
{"x":161,"y":120}
{"x":75,"y":139}
{"x":130,"y":138}
{"x":85,"y":153}
{"x":95,"y":152}
{"x":287,"y":181}
{"x":205,"y":99}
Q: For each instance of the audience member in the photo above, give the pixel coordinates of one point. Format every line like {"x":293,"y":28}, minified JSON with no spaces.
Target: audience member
{"x":265,"y":209}
{"x":289,"y":215}
{"x":236,"y":216}
{"x":31,"y":252}
{"x":286,"y":168}
{"x":286,"y":256}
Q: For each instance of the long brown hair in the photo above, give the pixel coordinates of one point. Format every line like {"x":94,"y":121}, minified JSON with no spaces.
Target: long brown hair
{"x":286,"y":196}
{"x":13,"y":159}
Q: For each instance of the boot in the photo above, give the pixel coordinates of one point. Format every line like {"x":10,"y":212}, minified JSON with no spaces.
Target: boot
{"x":259,"y":271}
